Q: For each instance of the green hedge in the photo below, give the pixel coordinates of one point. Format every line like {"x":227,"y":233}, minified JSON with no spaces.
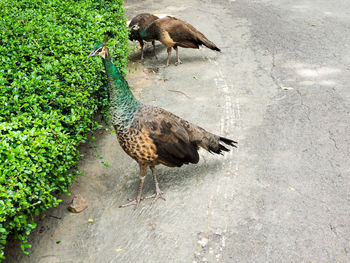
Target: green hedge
{"x":48,"y":96}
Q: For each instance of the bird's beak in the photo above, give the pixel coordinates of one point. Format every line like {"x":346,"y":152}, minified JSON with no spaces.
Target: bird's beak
{"x":93,"y":53}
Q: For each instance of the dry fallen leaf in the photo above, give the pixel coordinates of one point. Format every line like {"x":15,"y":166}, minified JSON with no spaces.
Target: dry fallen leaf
{"x":119,"y":249}
{"x":292,"y":188}
{"x":195,"y":77}
{"x":156,"y":11}
{"x":90,"y":220}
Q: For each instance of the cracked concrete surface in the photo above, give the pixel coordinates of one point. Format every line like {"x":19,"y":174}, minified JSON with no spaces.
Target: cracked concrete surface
{"x":282,"y":196}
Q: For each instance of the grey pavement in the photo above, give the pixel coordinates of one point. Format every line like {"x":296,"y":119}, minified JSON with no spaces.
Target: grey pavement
{"x":280,"y":87}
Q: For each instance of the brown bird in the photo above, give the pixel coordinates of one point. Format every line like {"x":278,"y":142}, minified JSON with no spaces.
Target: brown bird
{"x":142,"y":21}
{"x":151,"y":135}
{"x":174,"y":33}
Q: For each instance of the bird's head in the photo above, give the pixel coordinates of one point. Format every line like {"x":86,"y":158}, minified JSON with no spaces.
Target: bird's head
{"x":135,"y":27}
{"x":99,"y":50}
{"x":134,"y":32}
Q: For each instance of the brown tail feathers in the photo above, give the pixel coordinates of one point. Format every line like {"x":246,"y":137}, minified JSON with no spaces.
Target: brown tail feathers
{"x":221,"y":148}
{"x":206,"y":42}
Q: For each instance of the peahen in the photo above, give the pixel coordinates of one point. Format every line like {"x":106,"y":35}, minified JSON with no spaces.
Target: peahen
{"x":151,"y":135}
{"x":142,"y":21}
{"x":173,"y":33}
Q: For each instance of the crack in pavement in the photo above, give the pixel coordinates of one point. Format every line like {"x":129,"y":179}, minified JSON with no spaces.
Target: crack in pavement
{"x":331,"y":137}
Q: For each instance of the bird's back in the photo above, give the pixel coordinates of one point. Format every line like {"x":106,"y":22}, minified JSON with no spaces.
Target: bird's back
{"x":174,"y":24}
{"x":171,"y":29}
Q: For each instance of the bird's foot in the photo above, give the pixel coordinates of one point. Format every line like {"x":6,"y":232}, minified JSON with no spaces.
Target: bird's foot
{"x":164,"y":66}
{"x":134,"y":202}
{"x":178,"y":62}
{"x":156,"y":196}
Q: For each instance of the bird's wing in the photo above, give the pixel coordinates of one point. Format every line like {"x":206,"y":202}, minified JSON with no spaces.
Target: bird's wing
{"x":171,"y":138}
{"x":177,"y":29}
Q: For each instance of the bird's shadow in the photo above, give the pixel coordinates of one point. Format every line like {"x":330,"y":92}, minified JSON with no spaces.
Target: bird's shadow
{"x":182,"y":177}
{"x":147,"y":53}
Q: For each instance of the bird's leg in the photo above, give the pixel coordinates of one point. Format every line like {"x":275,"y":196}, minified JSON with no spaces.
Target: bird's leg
{"x":159,"y":193}
{"x":143,"y":173}
{"x":154,"y":49}
{"x":169,"y":53}
{"x":141,"y":44}
{"x":178,"y":61}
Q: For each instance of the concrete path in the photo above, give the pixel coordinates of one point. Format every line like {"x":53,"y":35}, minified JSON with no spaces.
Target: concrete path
{"x":281,"y":88}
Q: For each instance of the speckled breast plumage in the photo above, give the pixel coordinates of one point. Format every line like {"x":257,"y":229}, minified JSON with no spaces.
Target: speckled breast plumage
{"x":138,"y":145}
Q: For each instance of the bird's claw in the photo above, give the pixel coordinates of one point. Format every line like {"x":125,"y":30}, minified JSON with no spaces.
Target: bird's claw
{"x":134,"y":202}
{"x":178,"y":63}
{"x":156,"y":196}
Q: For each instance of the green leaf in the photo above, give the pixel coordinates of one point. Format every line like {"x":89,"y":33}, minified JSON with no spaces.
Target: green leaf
{"x":49,"y":95}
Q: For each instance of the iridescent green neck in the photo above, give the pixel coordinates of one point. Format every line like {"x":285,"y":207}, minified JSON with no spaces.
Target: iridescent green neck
{"x":123,"y":103}
{"x":147,"y":34}
{"x":143,"y":34}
